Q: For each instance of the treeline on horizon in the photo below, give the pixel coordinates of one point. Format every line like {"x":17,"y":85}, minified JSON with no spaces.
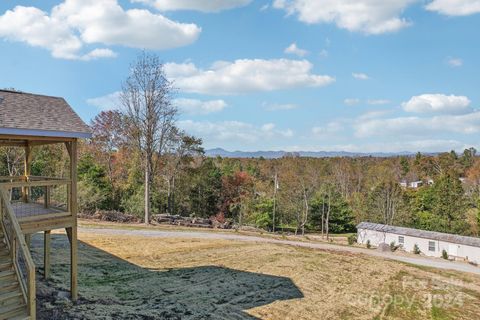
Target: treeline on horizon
{"x":139,"y":162}
{"x":296,"y":194}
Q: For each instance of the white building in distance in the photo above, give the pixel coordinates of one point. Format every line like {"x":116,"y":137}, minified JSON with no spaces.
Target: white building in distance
{"x":430,"y":243}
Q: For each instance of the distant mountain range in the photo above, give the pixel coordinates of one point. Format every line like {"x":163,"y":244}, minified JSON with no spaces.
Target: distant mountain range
{"x":313,"y":154}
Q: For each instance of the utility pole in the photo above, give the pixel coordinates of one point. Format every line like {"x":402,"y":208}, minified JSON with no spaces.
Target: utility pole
{"x":275,"y":188}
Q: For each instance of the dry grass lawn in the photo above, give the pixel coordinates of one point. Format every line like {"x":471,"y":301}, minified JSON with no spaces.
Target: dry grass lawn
{"x":147,"y":278}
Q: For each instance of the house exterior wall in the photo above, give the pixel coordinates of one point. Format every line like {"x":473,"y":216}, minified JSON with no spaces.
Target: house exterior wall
{"x":455,"y":250}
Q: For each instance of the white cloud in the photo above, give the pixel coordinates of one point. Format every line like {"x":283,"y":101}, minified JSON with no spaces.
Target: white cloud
{"x":108,"y":102}
{"x":98,"y":53}
{"x":419,"y":126}
{"x":373,"y":114}
{"x":360,"y":76}
{"x":189,"y":106}
{"x":277,"y":107}
{"x":233,"y":131}
{"x":196,"y":5}
{"x":377,"y":102}
{"x":243,"y":76}
{"x":268,"y":127}
{"x":351,"y":101}
{"x":75,"y":23}
{"x":454,"y":7}
{"x":328,"y":131}
{"x":194,"y":106}
{"x":367,"y":16}
{"x":455,"y":62}
{"x":438,"y":103}
{"x":294,"y":49}
{"x":323,"y":53}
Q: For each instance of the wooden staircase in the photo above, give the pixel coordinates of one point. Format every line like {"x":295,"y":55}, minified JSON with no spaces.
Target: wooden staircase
{"x":12,"y":301}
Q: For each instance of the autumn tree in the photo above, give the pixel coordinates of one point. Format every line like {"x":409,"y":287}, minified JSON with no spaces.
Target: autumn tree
{"x":181,"y":152}
{"x":150,"y":115}
{"x":237,"y":188}
{"x":108,"y":138}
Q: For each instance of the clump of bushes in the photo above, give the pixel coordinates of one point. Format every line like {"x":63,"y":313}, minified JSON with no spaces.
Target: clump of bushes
{"x":416,"y":249}
{"x":444,"y":254}
{"x":111,"y":216}
{"x":352,"y":239}
{"x":369,"y":245}
{"x":393,"y":246}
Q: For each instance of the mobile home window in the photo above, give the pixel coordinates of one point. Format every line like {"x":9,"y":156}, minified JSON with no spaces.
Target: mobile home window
{"x":431,"y":245}
{"x":401,"y":240}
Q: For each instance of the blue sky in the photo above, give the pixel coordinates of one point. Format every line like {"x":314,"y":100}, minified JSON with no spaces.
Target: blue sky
{"x":364,"y":75}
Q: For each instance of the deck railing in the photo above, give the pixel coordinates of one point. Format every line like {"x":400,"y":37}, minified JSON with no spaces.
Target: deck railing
{"x":37,"y":197}
{"x":19,"y":251}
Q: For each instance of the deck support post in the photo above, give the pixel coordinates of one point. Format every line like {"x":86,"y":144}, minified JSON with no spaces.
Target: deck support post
{"x":28,"y":239}
{"x":72,"y":232}
{"x":27,"y":171}
{"x":46,"y":254}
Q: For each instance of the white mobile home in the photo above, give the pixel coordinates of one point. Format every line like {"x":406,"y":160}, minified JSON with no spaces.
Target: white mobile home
{"x":430,"y":243}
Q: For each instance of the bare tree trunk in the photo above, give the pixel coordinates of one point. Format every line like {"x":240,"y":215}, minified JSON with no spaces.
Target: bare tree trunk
{"x":147,"y":193}
{"x":169,"y":195}
{"x":297,"y":225}
{"x":305,"y":215}
{"x":323,"y":216}
{"x":274,"y":200}
{"x":173,"y":196}
{"x":328,"y":217}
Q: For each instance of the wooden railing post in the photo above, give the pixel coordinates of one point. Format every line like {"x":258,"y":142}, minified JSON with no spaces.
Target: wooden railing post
{"x":46,"y":253}
{"x":28,"y":158}
{"x":46,"y":197}
{"x":32,"y":292}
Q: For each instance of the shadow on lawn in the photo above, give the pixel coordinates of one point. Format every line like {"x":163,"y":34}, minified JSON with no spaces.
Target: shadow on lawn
{"x":112,"y":288}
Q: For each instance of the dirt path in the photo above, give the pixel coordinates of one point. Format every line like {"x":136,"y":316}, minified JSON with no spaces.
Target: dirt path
{"x":422,"y":261}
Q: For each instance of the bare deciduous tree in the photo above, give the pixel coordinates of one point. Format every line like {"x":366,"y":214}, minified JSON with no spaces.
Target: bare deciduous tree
{"x":147,"y":100}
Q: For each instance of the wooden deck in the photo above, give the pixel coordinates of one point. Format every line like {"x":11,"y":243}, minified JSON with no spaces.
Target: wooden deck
{"x":29,"y":211}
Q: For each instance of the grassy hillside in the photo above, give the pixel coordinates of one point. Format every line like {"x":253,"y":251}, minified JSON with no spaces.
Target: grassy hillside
{"x":134,"y":277}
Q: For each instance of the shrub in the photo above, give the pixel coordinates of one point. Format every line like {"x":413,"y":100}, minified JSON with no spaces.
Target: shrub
{"x":416,"y":249}
{"x":393,"y":247}
{"x":352,"y":239}
{"x":369,"y":245}
{"x":444,"y":254}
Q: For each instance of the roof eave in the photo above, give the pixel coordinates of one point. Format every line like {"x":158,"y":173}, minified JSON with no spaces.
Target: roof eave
{"x":44,"y":133}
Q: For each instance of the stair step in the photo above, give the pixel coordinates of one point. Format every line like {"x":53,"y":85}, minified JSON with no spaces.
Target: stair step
{"x":5,"y":266}
{"x":15,"y":301}
{"x":13,"y":310}
{"x":6,"y":274}
{"x":8,"y":286}
{"x":5,"y":257}
{"x":5,"y":261}
{"x":10,"y":295}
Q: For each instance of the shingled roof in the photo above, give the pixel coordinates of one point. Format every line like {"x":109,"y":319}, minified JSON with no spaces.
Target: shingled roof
{"x":27,"y":114}
{"x":432,"y":235}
